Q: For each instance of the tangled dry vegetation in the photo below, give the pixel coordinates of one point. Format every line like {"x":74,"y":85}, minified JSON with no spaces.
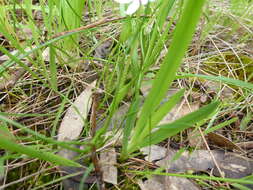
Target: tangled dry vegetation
{"x":222,"y":46}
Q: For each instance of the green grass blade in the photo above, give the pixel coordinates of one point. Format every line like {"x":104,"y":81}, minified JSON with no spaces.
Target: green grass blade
{"x":130,"y":121}
{"x":166,"y":107}
{"x":38,"y":135}
{"x":9,"y":144}
{"x":52,"y":68}
{"x":181,"y":39}
{"x":226,"y":80}
{"x":229,"y":180}
{"x":168,"y":130}
{"x":221,"y":125}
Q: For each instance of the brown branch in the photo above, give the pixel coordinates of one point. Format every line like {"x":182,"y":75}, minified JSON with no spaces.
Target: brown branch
{"x":92,"y":25}
{"x":94,"y":156}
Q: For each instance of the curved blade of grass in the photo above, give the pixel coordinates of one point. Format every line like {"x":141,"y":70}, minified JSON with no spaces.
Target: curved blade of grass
{"x":181,"y":39}
{"x":8,"y":144}
{"x":130,"y":121}
{"x":38,"y":135}
{"x":168,"y":130}
{"x":166,"y":107}
{"x":230,"y":180}
{"x":226,"y":80}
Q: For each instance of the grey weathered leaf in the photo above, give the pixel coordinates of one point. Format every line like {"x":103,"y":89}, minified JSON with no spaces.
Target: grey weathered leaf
{"x":198,"y":160}
{"x":167,"y":183}
{"x":108,"y":160}
{"x":73,"y":121}
{"x":153,"y":152}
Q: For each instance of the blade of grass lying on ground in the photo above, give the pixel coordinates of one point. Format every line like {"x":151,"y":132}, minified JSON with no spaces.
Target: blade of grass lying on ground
{"x":221,"y":125}
{"x":241,"y":187}
{"x":229,"y":180}
{"x":9,"y":144}
{"x":181,"y":39}
{"x":223,"y":79}
{"x":168,"y":130}
{"x":38,"y":135}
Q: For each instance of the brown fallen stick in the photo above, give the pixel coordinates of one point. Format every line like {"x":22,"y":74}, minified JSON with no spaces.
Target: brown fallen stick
{"x":89,"y":26}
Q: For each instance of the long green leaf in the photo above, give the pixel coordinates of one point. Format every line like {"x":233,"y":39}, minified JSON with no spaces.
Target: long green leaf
{"x":166,"y":107}
{"x":226,"y":80}
{"x":168,"y":130}
{"x":10,"y":145}
{"x":181,"y":39}
{"x":38,"y":135}
{"x":130,"y":121}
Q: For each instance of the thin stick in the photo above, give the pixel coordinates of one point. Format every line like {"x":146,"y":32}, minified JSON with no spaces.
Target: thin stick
{"x":92,"y":25}
{"x":94,"y":156}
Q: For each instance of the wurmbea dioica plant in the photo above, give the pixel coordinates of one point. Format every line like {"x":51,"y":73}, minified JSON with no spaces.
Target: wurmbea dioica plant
{"x":140,"y":123}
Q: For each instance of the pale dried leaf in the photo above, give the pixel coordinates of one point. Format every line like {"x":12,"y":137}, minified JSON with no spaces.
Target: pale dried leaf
{"x":199,"y":160}
{"x":153,"y":152}
{"x":231,"y":164}
{"x":45,"y":55}
{"x":235,"y":166}
{"x":179,"y":183}
{"x":151,"y":184}
{"x":225,"y":92}
{"x":108,"y":160}
{"x":73,"y":121}
{"x":25,"y":34}
{"x":167,"y":183}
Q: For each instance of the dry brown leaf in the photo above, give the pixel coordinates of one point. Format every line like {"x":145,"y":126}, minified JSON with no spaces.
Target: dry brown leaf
{"x":108,"y":160}
{"x":73,"y":121}
{"x":223,"y":142}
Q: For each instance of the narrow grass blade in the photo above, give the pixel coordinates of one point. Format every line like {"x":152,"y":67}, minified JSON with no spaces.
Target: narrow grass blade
{"x":10,"y":145}
{"x":166,"y":107}
{"x":230,"y":180}
{"x":181,"y":39}
{"x":38,"y":135}
{"x":226,"y":80}
{"x":168,"y":130}
{"x":52,"y":68}
{"x":130,"y":121}
{"x":221,"y":125}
